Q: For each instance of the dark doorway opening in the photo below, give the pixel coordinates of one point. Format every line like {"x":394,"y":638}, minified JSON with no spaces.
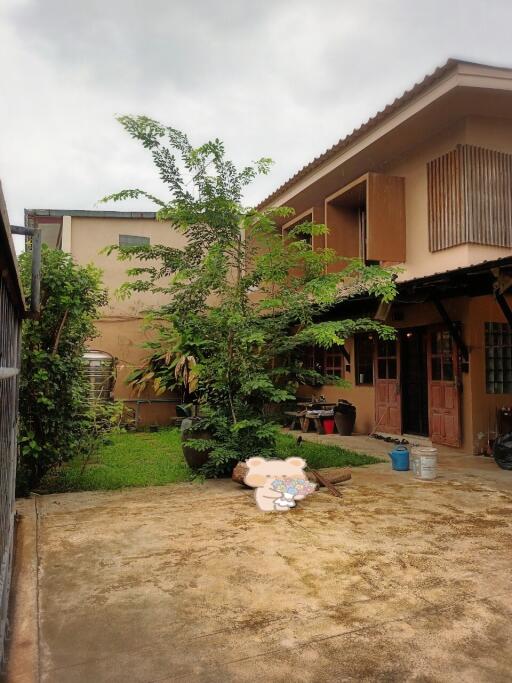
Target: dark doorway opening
{"x":414,"y":381}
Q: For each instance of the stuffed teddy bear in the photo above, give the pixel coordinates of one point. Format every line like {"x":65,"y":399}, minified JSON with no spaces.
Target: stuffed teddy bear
{"x":278,"y":483}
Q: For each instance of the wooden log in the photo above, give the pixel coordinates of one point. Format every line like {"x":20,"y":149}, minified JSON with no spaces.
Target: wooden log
{"x":322,"y":481}
{"x":333,"y":475}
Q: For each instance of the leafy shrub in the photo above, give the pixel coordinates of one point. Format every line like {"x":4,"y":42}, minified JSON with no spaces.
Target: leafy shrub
{"x":56,"y":419}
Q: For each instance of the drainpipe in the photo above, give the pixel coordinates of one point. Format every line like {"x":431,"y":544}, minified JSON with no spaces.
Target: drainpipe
{"x":35,"y":293}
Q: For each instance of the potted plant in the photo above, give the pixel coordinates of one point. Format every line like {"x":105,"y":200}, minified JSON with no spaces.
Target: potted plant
{"x":195,"y":453}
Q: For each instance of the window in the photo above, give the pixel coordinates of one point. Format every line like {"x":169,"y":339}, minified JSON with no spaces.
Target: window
{"x":334,"y":362}
{"x":330,"y":362}
{"x":386,"y":359}
{"x":364,"y":346}
{"x":366,"y":219}
{"x":498,"y":358}
{"x":307,"y":239}
{"x":133,"y":241}
{"x":311,"y":358}
{"x":298,"y":269}
{"x":314,"y":359}
{"x":441,"y":352}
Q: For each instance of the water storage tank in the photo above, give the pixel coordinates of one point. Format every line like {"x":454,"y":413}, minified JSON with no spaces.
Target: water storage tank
{"x":99,"y":370}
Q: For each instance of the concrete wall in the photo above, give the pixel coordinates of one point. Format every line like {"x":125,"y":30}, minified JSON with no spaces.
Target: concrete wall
{"x":90,"y":235}
{"x":483,"y":309}
{"x":120,"y":327}
{"x":123,"y":339}
{"x":491,"y":133}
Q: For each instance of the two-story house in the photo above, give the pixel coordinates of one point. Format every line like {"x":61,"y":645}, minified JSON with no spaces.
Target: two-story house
{"x":426,"y":184}
{"x":84,"y":234}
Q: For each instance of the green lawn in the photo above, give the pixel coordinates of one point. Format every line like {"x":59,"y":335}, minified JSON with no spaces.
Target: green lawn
{"x":154,"y":458}
{"x":317,"y":455}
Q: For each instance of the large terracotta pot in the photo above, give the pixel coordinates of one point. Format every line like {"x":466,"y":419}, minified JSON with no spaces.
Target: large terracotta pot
{"x":195,"y":458}
{"x":345,"y":417}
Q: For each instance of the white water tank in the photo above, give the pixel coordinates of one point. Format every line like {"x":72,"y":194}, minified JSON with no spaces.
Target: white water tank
{"x":99,"y":370}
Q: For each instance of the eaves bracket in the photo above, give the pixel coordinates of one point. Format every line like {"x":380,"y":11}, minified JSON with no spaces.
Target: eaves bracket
{"x":453,"y":329}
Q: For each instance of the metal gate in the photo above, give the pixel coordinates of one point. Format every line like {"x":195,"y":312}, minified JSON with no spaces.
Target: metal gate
{"x":11,"y":313}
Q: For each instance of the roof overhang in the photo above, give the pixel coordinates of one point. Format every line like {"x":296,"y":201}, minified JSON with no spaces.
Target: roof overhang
{"x":454,"y":92}
{"x":468,"y":281}
{"x":78,"y":213}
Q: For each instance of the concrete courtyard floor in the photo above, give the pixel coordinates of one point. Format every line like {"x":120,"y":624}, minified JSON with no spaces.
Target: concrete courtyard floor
{"x":399,"y":580}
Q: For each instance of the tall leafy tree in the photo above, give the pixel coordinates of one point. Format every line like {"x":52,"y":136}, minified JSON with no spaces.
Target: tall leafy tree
{"x":243,"y":303}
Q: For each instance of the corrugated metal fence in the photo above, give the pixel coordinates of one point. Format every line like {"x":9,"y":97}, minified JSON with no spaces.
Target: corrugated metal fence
{"x":11,"y":314}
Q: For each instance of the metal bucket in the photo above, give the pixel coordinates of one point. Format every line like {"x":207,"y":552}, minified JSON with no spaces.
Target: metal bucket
{"x":424,"y":463}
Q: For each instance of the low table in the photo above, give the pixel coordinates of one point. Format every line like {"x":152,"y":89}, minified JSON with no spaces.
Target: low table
{"x":306,"y":421}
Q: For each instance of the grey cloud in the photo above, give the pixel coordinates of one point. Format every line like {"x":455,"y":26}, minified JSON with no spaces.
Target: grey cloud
{"x":126,"y":44}
{"x":279,"y":78}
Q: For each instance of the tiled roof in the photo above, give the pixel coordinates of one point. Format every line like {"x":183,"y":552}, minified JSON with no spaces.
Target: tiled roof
{"x":357,"y":133}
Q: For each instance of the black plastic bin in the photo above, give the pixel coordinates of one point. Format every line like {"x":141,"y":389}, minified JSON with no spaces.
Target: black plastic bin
{"x":502,"y":451}
{"x":345,"y":417}
{"x":504,"y":420}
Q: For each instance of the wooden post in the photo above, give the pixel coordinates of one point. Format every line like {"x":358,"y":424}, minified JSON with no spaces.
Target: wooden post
{"x":505,"y":308}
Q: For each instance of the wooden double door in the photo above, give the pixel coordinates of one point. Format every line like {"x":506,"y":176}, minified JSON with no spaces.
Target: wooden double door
{"x":417,"y":385}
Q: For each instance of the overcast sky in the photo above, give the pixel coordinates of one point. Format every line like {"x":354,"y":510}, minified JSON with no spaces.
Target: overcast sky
{"x":278,"y":78}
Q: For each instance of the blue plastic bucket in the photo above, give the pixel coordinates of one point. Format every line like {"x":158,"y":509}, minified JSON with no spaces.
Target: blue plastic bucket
{"x":400,"y":458}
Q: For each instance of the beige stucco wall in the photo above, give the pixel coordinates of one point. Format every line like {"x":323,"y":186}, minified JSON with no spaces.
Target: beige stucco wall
{"x":90,"y":235}
{"x":121,"y":329}
{"x":123,"y":339}
{"x":492,"y":133}
{"x":478,"y":409}
{"x":483,"y":309}
{"x":363,"y":397}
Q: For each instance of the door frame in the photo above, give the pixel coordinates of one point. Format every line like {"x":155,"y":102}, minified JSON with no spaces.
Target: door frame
{"x":391,"y":383}
{"x":421,"y":329}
